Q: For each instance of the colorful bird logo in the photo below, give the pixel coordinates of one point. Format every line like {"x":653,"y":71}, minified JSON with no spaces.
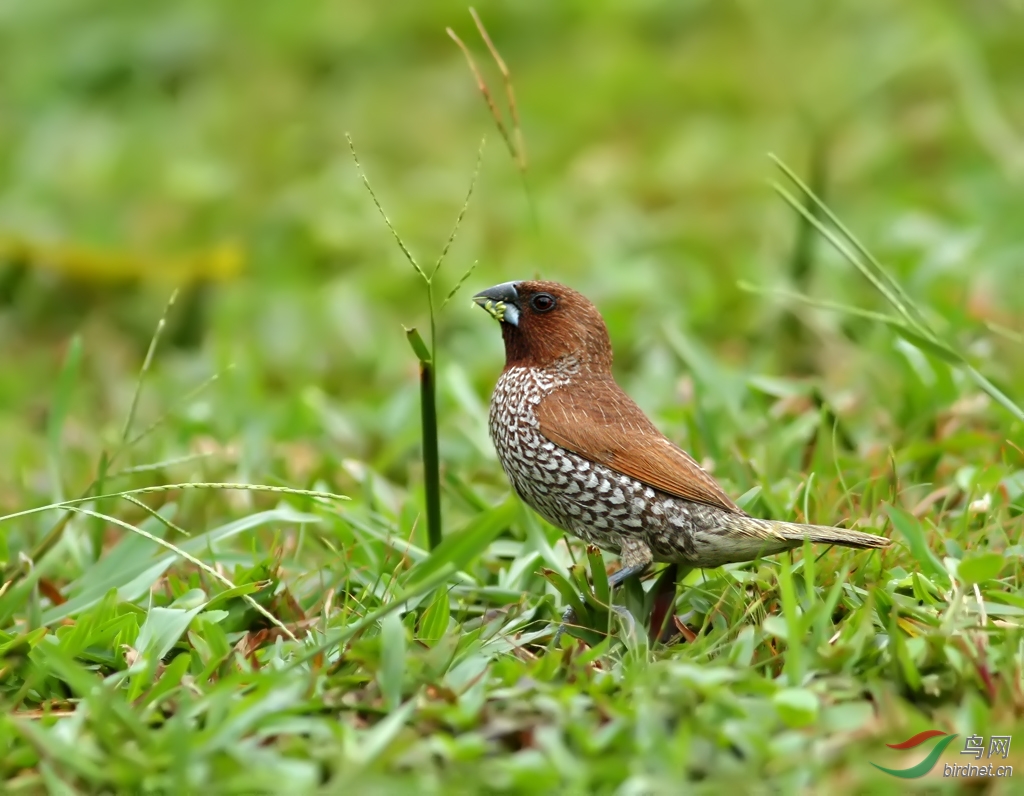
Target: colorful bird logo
{"x":925,"y":765}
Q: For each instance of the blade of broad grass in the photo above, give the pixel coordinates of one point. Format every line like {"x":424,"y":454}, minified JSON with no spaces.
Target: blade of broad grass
{"x":823,"y":623}
{"x":50,"y":745}
{"x":418,"y":346}
{"x":981,"y":567}
{"x":142,"y":570}
{"x":212,"y":648}
{"x":378,"y":739}
{"x":808,"y":564}
{"x":107,"y":707}
{"x":386,"y":535}
{"x":371,"y":618}
{"x":160,"y":631}
{"x":741,"y":652}
{"x":794,"y":666}
{"x":169,"y":680}
{"x":903,"y":665}
{"x":570,"y":594}
{"x":98,"y":629}
{"x":797,"y":707}
{"x":910,"y":528}
{"x":272,"y":694}
{"x":715,"y":379}
{"x":123,"y":555}
{"x":191,"y":559}
{"x":391,"y":674}
{"x":52,"y":781}
{"x":18,"y":589}
{"x":460,"y":548}
{"x":538,"y":541}
{"x":434,"y":621}
{"x":599,"y":575}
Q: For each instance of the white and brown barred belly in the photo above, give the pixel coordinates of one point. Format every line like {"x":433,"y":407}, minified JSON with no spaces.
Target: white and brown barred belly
{"x":591,"y":501}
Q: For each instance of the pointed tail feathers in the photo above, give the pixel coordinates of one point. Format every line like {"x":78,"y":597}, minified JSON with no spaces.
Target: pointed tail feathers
{"x":823,"y":534}
{"x":740,"y":537}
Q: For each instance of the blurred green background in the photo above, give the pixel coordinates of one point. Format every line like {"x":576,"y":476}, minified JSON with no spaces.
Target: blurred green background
{"x":201,"y":145}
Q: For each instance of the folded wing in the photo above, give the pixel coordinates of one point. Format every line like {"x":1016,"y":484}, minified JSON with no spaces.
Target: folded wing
{"x":599,"y":422}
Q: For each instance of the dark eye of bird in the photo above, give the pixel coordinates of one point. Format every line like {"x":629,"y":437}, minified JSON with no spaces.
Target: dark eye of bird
{"x":543,"y":302}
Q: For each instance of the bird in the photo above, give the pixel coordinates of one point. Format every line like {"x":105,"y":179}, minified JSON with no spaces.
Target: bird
{"x":581,"y":453}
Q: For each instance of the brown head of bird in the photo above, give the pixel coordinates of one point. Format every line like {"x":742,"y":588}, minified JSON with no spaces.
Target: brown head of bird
{"x":544,"y":322}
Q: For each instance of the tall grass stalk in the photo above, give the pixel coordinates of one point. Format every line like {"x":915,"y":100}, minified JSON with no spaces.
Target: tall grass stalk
{"x":911,"y":323}
{"x":513,"y":139}
{"x":426,"y":351}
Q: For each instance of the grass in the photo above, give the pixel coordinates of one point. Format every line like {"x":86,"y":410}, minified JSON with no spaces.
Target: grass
{"x":160,"y":632}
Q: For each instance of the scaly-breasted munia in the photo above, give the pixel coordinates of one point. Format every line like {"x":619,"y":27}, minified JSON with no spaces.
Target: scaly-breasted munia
{"x":584,"y":456}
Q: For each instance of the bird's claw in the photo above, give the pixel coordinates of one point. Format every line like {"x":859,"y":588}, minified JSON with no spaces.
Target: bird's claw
{"x":569,"y":617}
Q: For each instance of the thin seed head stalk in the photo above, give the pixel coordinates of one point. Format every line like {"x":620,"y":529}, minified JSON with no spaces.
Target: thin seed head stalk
{"x":426,"y":352}
{"x":514,"y":140}
{"x":911,"y":324}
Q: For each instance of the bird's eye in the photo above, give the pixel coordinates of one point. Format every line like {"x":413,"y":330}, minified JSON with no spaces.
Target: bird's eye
{"x":543,"y":302}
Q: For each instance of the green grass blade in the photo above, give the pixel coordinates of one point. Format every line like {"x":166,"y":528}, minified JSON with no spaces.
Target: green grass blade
{"x":459,"y":548}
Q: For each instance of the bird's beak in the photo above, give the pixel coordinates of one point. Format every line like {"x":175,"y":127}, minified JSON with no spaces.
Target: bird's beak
{"x":501,"y":301}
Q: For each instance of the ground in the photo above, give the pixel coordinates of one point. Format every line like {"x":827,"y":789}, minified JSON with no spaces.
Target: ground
{"x":202,"y":639}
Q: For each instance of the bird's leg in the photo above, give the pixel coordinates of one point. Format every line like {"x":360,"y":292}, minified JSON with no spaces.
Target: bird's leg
{"x":616,"y":579}
{"x":664,"y":602}
{"x":636,"y":558}
{"x":664,"y":598}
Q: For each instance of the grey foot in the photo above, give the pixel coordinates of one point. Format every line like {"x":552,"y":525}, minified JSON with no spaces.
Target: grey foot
{"x":569,"y":617}
{"x":614,"y":581}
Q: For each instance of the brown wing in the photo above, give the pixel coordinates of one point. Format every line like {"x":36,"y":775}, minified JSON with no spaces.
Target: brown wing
{"x":598,"y":421}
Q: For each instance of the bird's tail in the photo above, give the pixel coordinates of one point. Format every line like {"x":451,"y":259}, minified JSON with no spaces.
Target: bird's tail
{"x":824,"y":534}
{"x":739,"y":537}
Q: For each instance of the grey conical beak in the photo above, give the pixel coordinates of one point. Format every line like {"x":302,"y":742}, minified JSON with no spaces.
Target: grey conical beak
{"x":501,"y":301}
